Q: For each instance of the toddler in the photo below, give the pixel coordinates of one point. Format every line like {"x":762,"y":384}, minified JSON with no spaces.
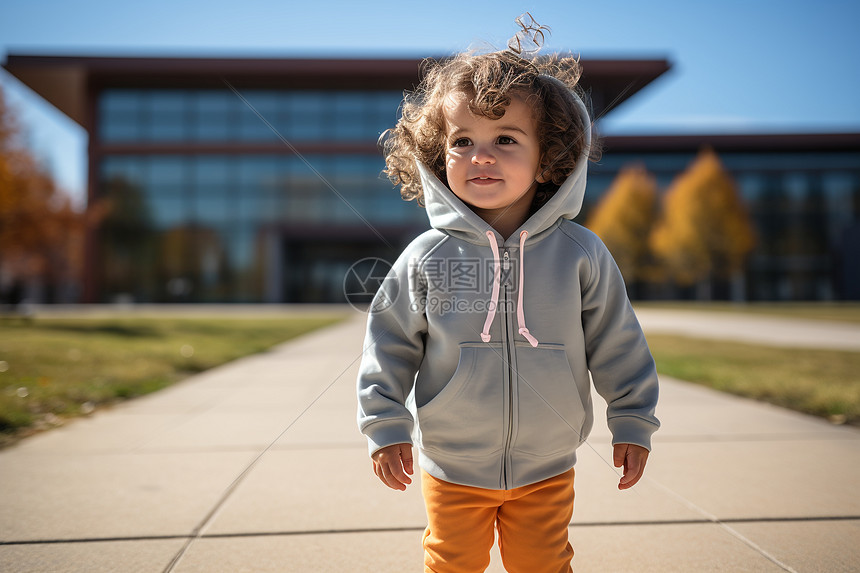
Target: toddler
{"x":496,"y":147}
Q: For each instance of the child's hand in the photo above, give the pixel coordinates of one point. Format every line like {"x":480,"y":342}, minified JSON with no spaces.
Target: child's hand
{"x":392,"y":463}
{"x":633,"y":459}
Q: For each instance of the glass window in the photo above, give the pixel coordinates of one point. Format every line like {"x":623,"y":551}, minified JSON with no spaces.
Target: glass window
{"x":212,"y":267}
{"x":256,"y":123}
{"x":252,"y":115}
{"x":246,"y":258}
{"x":218,"y":102}
{"x":209,"y":170}
{"x":349,"y":116}
{"x":166,"y":115}
{"x":839,"y":190}
{"x":119,"y":115}
{"x":212,"y":117}
{"x":796,"y":188}
{"x":121,"y":101}
{"x":131,"y":169}
{"x":120,"y":128}
{"x":206,"y":216}
{"x":841,"y":195}
{"x":258,"y":173}
{"x":241,"y":249}
{"x":751,"y":186}
{"x":385,"y":110}
{"x":255,"y":210}
{"x":167,"y":102}
{"x":166,"y":128}
{"x":251,"y":208}
{"x":789,"y":161}
{"x":213,"y":210}
{"x":655,"y":163}
{"x":267,"y":103}
{"x":307,"y":116}
{"x":307,"y":195}
{"x":261,"y":114}
{"x":166,"y":172}
{"x":168,"y":211}
{"x":351,"y":178}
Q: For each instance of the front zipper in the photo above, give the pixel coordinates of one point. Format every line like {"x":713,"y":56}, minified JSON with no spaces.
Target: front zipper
{"x":508,"y":355}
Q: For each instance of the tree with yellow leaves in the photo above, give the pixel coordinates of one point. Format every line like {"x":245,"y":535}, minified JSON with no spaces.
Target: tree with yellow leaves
{"x":623,"y":219}
{"x":705,"y":230}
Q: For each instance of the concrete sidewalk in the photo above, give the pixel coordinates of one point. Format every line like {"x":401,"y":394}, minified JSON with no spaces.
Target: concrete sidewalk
{"x":257,"y":466}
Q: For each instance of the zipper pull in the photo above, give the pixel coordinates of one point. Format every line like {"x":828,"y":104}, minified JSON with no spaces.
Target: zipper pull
{"x":506,"y":262}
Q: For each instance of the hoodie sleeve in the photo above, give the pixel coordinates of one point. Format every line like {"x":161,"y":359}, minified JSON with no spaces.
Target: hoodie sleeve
{"x":620,"y":362}
{"x":393,"y":351}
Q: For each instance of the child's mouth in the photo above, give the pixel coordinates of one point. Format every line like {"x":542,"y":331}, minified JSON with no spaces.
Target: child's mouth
{"x":483,"y":180}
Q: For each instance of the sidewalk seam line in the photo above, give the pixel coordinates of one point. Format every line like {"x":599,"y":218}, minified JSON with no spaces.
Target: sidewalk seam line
{"x":197,"y":533}
{"x":730,"y":530}
{"x":584,"y":524}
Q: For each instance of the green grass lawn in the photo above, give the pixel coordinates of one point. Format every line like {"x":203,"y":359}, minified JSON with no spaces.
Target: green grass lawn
{"x":838,"y":311}
{"x":821,"y":382}
{"x":56,"y":368}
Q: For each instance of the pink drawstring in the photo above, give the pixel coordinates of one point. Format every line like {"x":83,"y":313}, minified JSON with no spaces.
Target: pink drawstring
{"x":497,"y":278}
{"x":521,"y":318}
{"x":494,"y":296}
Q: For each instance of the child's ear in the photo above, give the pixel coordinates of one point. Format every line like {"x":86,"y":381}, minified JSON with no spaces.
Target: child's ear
{"x":543,"y":175}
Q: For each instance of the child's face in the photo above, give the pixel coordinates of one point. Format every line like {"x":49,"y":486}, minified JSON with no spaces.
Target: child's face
{"x":491,"y":164}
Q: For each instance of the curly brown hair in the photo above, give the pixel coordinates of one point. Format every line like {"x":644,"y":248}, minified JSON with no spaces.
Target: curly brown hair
{"x":489,"y":80}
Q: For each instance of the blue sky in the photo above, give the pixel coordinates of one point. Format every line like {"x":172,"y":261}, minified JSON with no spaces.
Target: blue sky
{"x":737,"y":66}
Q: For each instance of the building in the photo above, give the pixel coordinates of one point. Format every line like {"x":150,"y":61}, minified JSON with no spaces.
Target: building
{"x":803,"y":195}
{"x":258,"y":180}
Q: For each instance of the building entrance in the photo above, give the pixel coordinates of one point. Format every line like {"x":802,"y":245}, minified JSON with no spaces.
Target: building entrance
{"x":313,"y":270}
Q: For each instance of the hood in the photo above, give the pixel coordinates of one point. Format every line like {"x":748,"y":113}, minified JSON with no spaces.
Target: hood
{"x":448,"y":213}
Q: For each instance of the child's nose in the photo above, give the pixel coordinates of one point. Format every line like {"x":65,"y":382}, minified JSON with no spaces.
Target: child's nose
{"x":483,"y":156}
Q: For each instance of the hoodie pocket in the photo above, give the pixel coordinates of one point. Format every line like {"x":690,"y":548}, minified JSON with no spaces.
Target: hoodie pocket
{"x":467,"y":417}
{"x":550,"y":413}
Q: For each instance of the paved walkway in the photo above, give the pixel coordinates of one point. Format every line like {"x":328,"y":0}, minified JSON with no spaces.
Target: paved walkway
{"x":257,"y":466}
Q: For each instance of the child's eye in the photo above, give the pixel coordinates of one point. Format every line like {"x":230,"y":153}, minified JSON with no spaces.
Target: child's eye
{"x":461,"y":142}
{"x":505,"y":140}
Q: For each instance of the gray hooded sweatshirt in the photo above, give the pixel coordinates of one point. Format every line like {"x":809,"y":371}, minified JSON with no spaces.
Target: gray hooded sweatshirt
{"x":450,"y":365}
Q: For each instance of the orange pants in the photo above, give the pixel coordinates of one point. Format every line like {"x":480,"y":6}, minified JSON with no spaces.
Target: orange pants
{"x":532,"y":522}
